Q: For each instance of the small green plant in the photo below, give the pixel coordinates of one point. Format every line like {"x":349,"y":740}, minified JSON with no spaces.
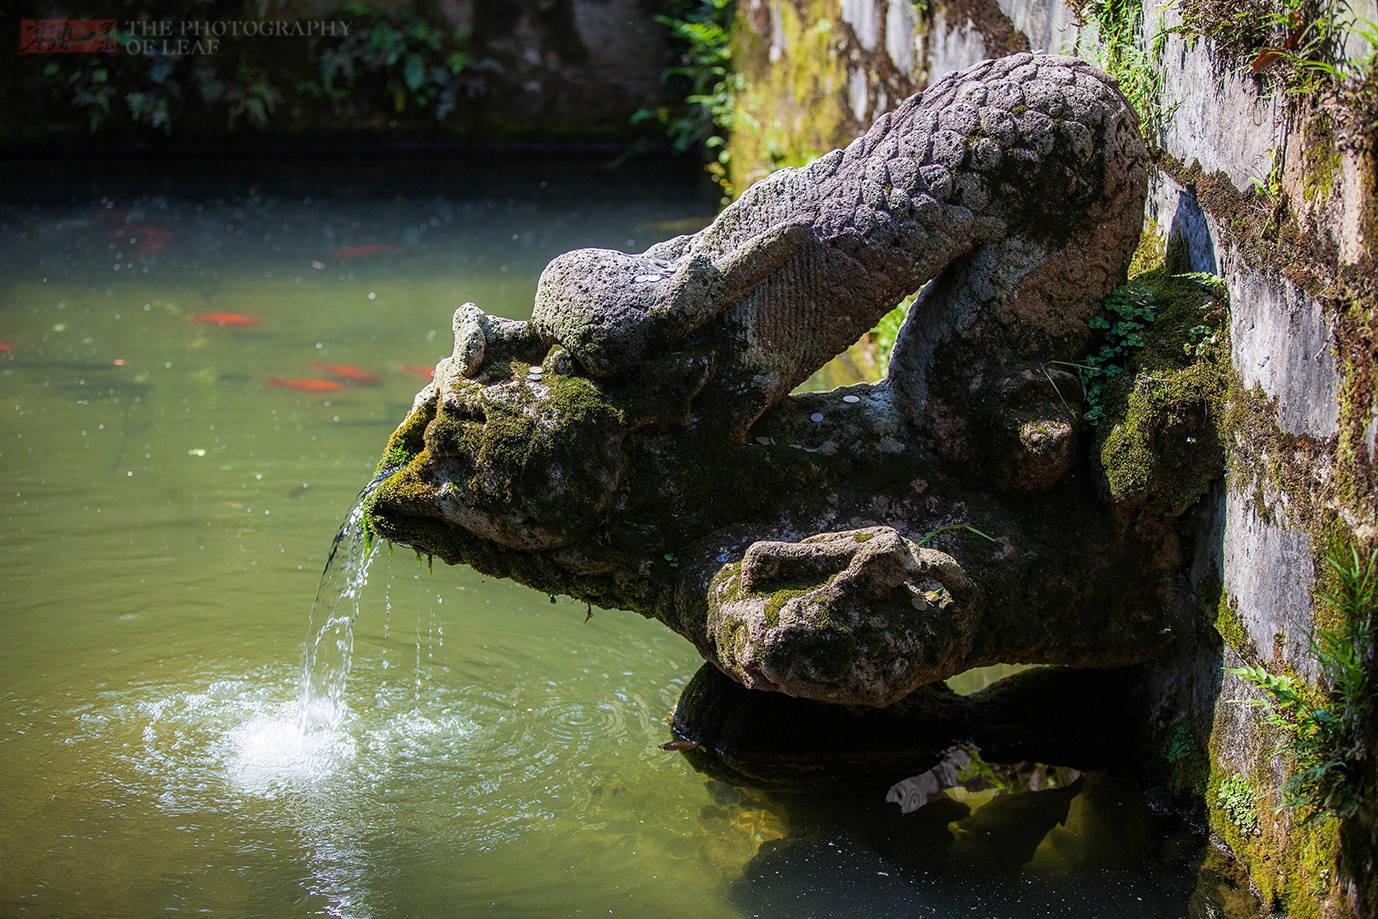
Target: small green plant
{"x":1203,"y":339}
{"x":1296,"y":46}
{"x":701,"y":86}
{"x":1325,"y":732}
{"x":417,"y":65}
{"x":1236,"y":799}
{"x":1200,"y":341}
{"x":1137,"y":69}
{"x":1127,"y":314}
{"x":1128,"y":311}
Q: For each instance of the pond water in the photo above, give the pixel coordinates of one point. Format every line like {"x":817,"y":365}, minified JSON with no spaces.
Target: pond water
{"x":171,"y":491}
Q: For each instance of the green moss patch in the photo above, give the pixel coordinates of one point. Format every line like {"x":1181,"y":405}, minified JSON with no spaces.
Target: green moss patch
{"x":409,"y":439}
{"x":1160,"y":387}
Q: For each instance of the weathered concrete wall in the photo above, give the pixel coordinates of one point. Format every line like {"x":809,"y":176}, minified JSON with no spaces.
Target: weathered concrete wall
{"x":1268,"y":191}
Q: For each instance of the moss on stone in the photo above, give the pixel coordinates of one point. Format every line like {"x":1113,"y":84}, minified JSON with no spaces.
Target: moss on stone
{"x":790,"y":110}
{"x":409,"y":438}
{"x":1159,"y":445}
{"x":1320,"y":160}
{"x":1150,"y":253}
{"x":1162,"y":450}
{"x":1269,"y":237}
{"x":524,"y":436}
{"x":777,"y":601}
{"x":1231,"y":627}
{"x":1293,"y":869}
{"x":1187,"y":765}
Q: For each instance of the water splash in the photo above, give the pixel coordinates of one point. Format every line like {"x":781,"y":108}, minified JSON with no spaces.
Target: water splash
{"x":329,"y":646}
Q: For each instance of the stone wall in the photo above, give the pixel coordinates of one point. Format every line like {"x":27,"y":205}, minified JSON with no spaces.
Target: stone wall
{"x":1275,"y":193}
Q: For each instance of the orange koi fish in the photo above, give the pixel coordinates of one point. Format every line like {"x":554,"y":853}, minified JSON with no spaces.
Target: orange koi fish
{"x":6,"y":348}
{"x":426,"y":373}
{"x":226,"y":319}
{"x":348,"y":374}
{"x":363,"y":251}
{"x":312,"y":386}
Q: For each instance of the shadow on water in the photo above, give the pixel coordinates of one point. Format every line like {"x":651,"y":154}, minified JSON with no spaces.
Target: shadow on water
{"x":1024,"y":800}
{"x":1090,"y":849}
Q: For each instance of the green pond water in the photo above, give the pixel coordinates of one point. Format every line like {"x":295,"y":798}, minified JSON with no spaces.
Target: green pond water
{"x":166,"y":517}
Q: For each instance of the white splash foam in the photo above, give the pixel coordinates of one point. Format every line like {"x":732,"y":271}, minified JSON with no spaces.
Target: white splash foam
{"x":271,"y":753}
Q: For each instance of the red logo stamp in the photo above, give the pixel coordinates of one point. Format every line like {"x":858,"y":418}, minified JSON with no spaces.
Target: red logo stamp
{"x":65,"y":36}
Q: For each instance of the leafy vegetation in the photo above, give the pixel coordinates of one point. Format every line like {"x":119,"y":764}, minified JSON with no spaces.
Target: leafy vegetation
{"x":1137,"y":69}
{"x":1297,"y":46}
{"x":1128,"y":311}
{"x":397,"y":55}
{"x":887,"y":330}
{"x":1236,"y":799}
{"x":155,"y":88}
{"x":1293,"y":39}
{"x":700,"y":86}
{"x":417,"y":65}
{"x":1325,"y":731}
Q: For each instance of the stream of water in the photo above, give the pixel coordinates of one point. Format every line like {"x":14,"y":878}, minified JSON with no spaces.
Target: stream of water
{"x":444,"y":745}
{"x":329,"y":648}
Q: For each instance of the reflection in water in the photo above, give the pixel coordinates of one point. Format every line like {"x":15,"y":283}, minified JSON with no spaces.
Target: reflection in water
{"x":1044,"y":853}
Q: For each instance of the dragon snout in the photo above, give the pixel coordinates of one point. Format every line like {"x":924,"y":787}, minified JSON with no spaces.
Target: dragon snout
{"x":530,"y":461}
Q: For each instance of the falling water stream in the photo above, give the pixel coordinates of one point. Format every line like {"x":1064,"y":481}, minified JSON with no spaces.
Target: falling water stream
{"x":329,"y":647}
{"x":166,"y":743}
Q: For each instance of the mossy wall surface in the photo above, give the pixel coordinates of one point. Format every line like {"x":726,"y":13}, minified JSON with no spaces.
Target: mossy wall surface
{"x":1272,"y":190}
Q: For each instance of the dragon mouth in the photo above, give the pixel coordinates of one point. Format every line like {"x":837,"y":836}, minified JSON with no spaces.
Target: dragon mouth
{"x":549,"y":439}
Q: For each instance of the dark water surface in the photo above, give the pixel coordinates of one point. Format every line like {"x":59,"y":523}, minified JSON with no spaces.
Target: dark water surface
{"x":166,"y":513}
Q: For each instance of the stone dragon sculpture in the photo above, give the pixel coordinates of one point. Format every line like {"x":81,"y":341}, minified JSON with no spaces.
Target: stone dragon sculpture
{"x":636,"y":443}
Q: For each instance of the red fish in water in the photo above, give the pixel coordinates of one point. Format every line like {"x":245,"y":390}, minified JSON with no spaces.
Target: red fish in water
{"x":6,"y":348}
{"x":426,"y":373}
{"x":313,"y":386}
{"x":151,"y":239}
{"x":227,"y":319}
{"x":363,"y":251}
{"x":348,"y":374}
